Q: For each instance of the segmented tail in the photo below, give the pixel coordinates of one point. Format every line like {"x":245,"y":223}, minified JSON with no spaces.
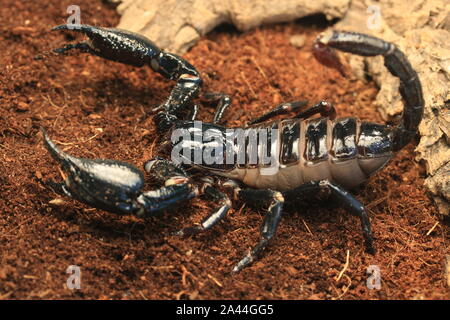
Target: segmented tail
{"x":394,"y":60}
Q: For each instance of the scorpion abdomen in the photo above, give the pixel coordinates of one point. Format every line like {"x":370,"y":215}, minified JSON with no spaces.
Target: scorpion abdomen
{"x":346,"y":151}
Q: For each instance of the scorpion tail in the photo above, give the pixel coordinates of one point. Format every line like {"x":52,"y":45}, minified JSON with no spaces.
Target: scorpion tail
{"x":394,"y":60}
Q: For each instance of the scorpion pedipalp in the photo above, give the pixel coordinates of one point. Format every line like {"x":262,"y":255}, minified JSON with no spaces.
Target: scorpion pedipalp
{"x":113,"y":44}
{"x":134,"y":49}
{"x":114,"y":186}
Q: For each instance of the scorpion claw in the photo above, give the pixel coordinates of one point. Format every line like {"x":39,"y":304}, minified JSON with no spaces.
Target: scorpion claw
{"x":114,"y":44}
{"x":58,"y":187}
{"x":116,"y":186}
{"x":109,"y":185}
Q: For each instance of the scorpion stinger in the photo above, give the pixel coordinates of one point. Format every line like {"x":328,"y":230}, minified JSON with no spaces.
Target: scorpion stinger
{"x":136,"y":50}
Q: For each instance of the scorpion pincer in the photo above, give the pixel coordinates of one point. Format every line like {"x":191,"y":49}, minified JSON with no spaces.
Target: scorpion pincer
{"x":325,"y":155}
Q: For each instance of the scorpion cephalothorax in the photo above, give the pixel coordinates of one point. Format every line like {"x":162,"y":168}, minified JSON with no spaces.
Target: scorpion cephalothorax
{"x":311,"y":155}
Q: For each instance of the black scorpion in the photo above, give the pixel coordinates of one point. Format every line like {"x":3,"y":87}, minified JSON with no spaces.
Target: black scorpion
{"x":311,"y":155}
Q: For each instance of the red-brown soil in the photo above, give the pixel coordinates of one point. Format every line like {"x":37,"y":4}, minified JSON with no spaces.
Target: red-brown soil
{"x":92,"y":107}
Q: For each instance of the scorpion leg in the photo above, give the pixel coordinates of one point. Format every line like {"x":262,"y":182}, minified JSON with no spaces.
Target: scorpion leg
{"x":214,"y":217}
{"x":324,"y":108}
{"x":194,"y":112}
{"x":279,"y":110}
{"x":270,"y":223}
{"x":116,"y":186}
{"x":351,"y":204}
{"x":223,"y":104}
{"x":355,"y":208}
{"x":113,"y":44}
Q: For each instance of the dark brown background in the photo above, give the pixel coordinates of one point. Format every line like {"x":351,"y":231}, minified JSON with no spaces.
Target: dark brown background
{"x":93,"y":107}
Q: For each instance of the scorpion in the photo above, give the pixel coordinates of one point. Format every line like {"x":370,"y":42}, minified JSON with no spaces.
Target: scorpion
{"x":312,"y":155}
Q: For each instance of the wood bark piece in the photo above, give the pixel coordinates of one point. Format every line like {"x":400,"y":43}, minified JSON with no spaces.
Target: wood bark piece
{"x":176,"y":25}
